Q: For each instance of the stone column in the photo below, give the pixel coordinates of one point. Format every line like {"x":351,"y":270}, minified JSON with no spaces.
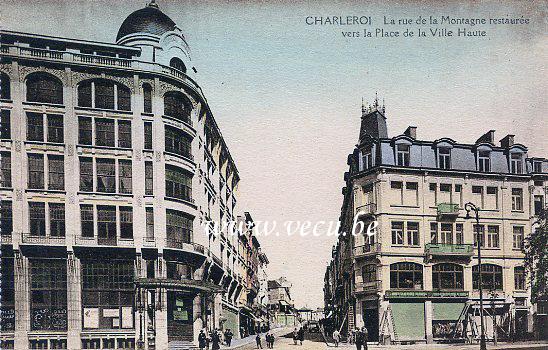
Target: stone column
{"x":161,"y":308}
{"x":22,"y":302}
{"x":428,"y":321}
{"x":74,"y":303}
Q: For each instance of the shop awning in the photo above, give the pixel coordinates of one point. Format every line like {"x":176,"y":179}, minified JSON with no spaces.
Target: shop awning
{"x":190,"y":285}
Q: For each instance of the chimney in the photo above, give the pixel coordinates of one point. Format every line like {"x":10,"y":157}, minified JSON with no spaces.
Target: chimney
{"x":507,"y":141}
{"x":488,"y":137}
{"x":411,"y":131}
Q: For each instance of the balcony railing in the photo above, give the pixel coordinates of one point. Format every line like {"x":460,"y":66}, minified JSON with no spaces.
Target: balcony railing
{"x":5,"y":239}
{"x":425,"y":294}
{"x":30,"y":238}
{"x":105,"y":241}
{"x":367,"y":249}
{"x":448,"y":209}
{"x":368,"y":287}
{"x":369,"y":208}
{"x":179,"y":244}
{"x":461,"y":251}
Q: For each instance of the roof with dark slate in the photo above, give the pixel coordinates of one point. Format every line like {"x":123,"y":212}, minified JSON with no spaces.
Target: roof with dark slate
{"x":146,"y":20}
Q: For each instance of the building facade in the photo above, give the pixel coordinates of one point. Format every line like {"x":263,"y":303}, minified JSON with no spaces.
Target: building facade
{"x":281,"y":304}
{"x":111,"y":164}
{"x":422,"y":259}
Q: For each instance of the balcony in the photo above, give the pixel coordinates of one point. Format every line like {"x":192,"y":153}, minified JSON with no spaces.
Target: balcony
{"x":395,"y":294}
{"x":104,"y":241}
{"x":448,"y":210}
{"x":367,"y":209}
{"x":446,"y":250}
{"x":367,"y":250}
{"x":367,"y":287}
{"x":29,"y":238}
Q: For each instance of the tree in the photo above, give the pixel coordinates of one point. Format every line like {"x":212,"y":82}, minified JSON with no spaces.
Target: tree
{"x":536,"y":256}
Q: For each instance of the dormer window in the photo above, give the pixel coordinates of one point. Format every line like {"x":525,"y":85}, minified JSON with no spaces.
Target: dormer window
{"x":516,"y":163}
{"x":444,"y":158}
{"x":367,"y":159}
{"x":402,"y":154}
{"x":537,"y":166}
{"x":484,"y":161}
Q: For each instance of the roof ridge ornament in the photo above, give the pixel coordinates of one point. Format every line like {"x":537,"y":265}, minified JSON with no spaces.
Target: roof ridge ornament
{"x":375,"y":106}
{"x":153,"y":3}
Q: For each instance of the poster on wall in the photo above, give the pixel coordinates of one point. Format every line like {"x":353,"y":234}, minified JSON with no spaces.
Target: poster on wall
{"x":127,"y":317}
{"x":91,"y":317}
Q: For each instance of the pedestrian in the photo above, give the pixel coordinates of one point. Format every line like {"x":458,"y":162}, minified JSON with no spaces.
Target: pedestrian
{"x":295,"y":336}
{"x":271,"y":341}
{"x":301,"y":335}
{"x":258,"y":341}
{"x":228,"y":337}
{"x":365,"y":336}
{"x":202,"y":340}
{"x":336,"y":337}
{"x":215,"y":340}
{"x":358,"y":340}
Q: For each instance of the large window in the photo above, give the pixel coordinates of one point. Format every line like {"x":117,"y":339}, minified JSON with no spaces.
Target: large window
{"x":479,"y":235}
{"x":37,"y":219}
{"x":405,"y":233}
{"x":148,"y":135}
{"x":177,"y":106}
{"x":104,"y":132}
{"x":124,"y":134}
{"x":516,"y":163}
{"x":107,"y":294}
{"x":519,"y":278}
{"x":35,"y":127}
{"x":85,"y":130}
{"x":369,"y":273}
{"x":367,"y":159}
{"x":86,"y":220}
{"x":178,"y":142}
{"x":518,"y":233}
{"x":48,"y":290}
{"x":124,"y":176}
{"x":492,"y":236}
{"x":517,"y":199}
{"x":86,"y":174}
{"x":106,"y":175}
{"x":149,"y":224}
{"x":484,"y":161}
{"x":56,"y":172}
{"x":5,"y":126}
{"x":406,"y":275}
{"x":44,"y":88}
{"x":104,"y":94}
{"x":491,"y":276}
{"x":106,"y":224}
{"x":149,"y":178}
{"x":36,"y":171}
{"x":444,"y":158}
{"x":126,"y":222}
{"x":178,"y":183}
{"x":55,"y":128}
{"x":57,"y":219}
{"x":402,"y":154}
{"x":447,"y":276}
{"x":5,"y":169}
{"x":6,"y":218}
{"x":5,"y":90}
{"x":178,"y":227}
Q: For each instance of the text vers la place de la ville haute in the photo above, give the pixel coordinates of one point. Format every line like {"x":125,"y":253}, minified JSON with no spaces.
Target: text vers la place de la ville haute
{"x":421,"y":26}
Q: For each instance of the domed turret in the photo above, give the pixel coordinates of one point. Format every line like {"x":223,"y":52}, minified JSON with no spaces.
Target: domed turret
{"x":146,"y":20}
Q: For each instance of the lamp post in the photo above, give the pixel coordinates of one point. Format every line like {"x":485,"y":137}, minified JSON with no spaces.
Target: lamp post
{"x":469,"y":207}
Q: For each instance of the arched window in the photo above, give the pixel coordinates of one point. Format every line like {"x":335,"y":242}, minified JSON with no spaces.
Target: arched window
{"x":519,"y":278}
{"x":104,"y":94}
{"x":177,"y":106}
{"x":491,"y":276}
{"x":44,"y":88}
{"x":447,"y":276}
{"x":147,"y":98}
{"x":177,"y":64}
{"x":406,"y":275}
{"x":5,"y":91}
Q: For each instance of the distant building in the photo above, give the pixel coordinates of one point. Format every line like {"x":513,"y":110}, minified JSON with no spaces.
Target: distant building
{"x":280,"y":303}
{"x":417,"y":278}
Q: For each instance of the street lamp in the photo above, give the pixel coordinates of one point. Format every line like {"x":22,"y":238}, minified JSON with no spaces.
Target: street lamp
{"x":469,"y":207}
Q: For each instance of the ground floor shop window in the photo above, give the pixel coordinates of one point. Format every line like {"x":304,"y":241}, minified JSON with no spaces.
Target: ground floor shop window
{"x":107,"y":294}
{"x":180,"y":316}
{"x":406,"y":275}
{"x":48,"y":290}
{"x":491,"y":276}
{"x":447,"y":276}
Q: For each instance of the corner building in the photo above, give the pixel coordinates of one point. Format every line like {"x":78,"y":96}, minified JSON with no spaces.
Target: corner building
{"x":417,"y":279}
{"x":111,"y":160}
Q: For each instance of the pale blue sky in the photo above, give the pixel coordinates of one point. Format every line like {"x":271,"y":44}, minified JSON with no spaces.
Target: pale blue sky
{"x":287,"y":96}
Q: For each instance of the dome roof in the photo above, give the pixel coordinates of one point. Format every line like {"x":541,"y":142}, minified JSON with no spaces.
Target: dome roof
{"x":146,"y":20}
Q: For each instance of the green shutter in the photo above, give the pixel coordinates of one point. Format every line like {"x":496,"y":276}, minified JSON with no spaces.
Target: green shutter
{"x":231,"y":321}
{"x":446,"y":311}
{"x":408,"y":320}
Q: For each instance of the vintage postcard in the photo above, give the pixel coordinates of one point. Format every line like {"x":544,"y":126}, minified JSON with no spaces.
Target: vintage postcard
{"x":202,"y":174}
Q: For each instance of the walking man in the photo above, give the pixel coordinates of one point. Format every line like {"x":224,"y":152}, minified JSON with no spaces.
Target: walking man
{"x":258,"y":341}
{"x":358,"y":340}
{"x":365,"y":336}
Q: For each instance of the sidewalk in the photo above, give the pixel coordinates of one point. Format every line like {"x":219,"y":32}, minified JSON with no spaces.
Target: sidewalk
{"x":236,"y":343}
{"x":500,"y":346}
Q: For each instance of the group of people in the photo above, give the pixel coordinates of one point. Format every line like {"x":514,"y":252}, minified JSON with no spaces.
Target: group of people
{"x":356,"y":336}
{"x":269,"y":338}
{"x":298,"y":336}
{"x":214,"y":338}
